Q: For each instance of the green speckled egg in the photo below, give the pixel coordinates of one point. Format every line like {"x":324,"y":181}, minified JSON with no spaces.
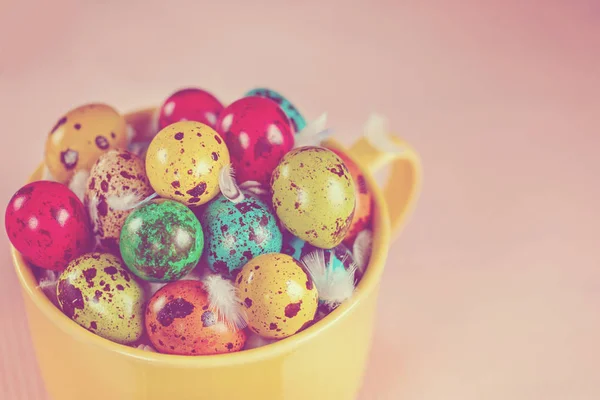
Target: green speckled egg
{"x":278,"y":294}
{"x":161,"y":241}
{"x":238,"y":232}
{"x":98,"y":293}
{"x":314,"y":196}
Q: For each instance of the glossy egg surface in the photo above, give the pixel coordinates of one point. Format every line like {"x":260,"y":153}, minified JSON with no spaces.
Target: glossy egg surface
{"x":98,"y":293}
{"x":314,"y":195}
{"x":184,"y":160}
{"x":179,"y":321}
{"x":47,"y":224}
{"x":279,"y":295}
{"x":80,"y":136}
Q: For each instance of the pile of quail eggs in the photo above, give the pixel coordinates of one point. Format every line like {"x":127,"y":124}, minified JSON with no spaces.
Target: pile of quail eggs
{"x":211,"y":229}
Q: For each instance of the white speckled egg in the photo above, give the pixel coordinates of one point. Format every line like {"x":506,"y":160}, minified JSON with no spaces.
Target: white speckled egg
{"x":116,"y":183}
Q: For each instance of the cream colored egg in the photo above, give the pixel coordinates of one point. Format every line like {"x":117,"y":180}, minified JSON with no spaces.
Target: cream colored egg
{"x":117,"y":182}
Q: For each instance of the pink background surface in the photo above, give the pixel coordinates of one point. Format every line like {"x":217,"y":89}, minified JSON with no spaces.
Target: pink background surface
{"x":493,"y":289}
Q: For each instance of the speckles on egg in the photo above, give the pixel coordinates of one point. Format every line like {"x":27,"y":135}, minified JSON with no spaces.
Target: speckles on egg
{"x":117,"y":182}
{"x":314,"y":195}
{"x":279,"y":295}
{"x":69,"y":158}
{"x":99,"y":294}
{"x":238,"y":232}
{"x":297,"y":120}
{"x":47,"y":224}
{"x":101,"y":142}
{"x":190,"y":104}
{"x":179,"y":321}
{"x":81,"y":136}
{"x":58,"y":124}
{"x":258,"y":134}
{"x":186,"y":146}
{"x":340,"y":256}
{"x":161,"y":241}
{"x":364,"y":200}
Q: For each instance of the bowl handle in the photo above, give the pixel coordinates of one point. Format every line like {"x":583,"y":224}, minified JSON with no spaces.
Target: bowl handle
{"x":404,"y":182}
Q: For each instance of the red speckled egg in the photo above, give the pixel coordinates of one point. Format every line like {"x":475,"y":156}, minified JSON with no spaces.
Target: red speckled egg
{"x":191,"y":104}
{"x":47,"y":224}
{"x":364,"y":199}
{"x":179,"y":321}
{"x":258,"y":134}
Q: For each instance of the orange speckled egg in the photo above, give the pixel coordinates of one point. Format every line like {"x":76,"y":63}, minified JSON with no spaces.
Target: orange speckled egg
{"x":279,"y":295}
{"x":179,"y":321}
{"x":364,"y":200}
{"x":80,"y":136}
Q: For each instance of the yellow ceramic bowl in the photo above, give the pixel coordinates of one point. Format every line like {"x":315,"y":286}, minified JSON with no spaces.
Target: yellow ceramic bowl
{"x":324,"y":362}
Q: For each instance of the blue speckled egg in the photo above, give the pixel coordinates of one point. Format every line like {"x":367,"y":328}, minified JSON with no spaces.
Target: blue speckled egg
{"x":238,"y":232}
{"x":298,"y":248}
{"x":292,"y":112}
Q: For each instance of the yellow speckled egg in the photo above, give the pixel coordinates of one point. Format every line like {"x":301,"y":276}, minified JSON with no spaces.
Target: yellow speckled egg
{"x":279,"y":295}
{"x":81,"y":136}
{"x":314,"y":195}
{"x":100,"y":295}
{"x":117,"y":182}
{"x":184,"y":160}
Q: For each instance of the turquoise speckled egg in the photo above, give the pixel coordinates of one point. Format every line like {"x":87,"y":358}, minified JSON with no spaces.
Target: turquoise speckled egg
{"x":298,"y":248}
{"x":238,"y":232}
{"x":161,"y":241}
{"x":298,"y":121}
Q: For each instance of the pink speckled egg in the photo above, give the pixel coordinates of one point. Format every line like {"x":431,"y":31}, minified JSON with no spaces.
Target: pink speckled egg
{"x":258,"y":134}
{"x":191,"y":104}
{"x":47,"y":224}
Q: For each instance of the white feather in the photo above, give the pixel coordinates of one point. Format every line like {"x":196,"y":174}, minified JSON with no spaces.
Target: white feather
{"x":146,"y":347}
{"x":47,"y":282}
{"x":376,"y":131}
{"x":254,"y":187}
{"x":228,"y":185}
{"x":313,"y":133}
{"x":93,"y":211}
{"x":94,"y":219}
{"x":361,"y":249}
{"x":78,"y":183}
{"x":224,"y":301}
{"x":127,"y":202}
{"x":333,"y":285}
{"x":124,"y":202}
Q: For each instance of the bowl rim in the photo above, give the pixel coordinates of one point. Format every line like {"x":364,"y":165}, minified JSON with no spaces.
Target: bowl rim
{"x":368,"y":284}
